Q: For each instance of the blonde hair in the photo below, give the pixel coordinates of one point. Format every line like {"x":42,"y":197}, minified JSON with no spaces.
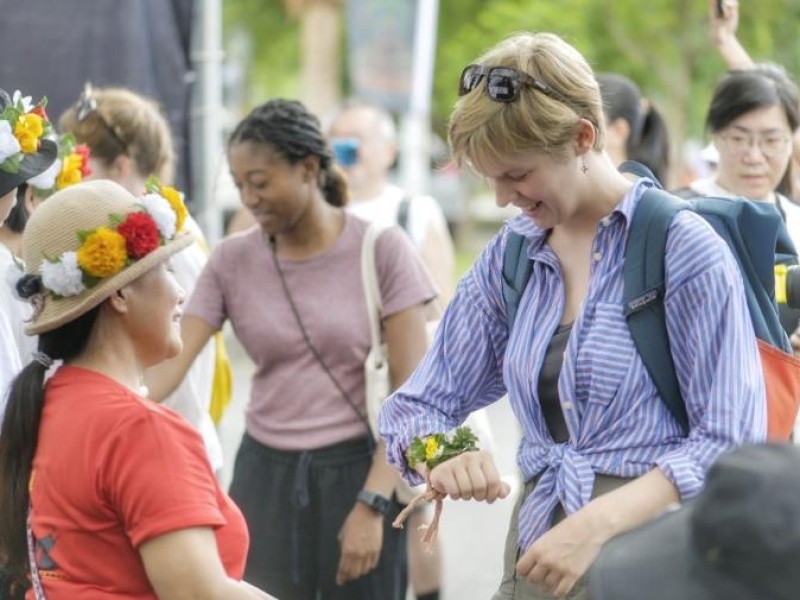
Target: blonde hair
{"x":483,"y":130}
{"x":136,"y":121}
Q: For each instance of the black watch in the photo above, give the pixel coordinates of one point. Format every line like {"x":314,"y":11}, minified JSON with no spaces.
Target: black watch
{"x":378,"y":503}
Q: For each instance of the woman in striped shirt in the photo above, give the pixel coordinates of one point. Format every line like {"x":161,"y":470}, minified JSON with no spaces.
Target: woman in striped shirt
{"x":600,"y":451}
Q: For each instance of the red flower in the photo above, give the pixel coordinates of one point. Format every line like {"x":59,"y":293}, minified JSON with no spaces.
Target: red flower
{"x":84,"y":152}
{"x":39,"y":110}
{"x":140,"y":233}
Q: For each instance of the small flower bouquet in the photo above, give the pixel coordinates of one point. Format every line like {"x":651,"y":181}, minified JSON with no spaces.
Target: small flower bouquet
{"x":433,"y":450}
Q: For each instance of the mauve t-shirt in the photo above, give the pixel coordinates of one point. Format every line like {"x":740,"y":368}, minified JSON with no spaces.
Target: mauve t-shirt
{"x":293,"y":403}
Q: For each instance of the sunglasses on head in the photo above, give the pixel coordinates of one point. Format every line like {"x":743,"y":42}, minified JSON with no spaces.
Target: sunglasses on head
{"x":87,"y":106}
{"x":504,"y":83}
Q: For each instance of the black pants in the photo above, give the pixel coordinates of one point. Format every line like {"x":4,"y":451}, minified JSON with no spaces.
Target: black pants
{"x":295,"y":504}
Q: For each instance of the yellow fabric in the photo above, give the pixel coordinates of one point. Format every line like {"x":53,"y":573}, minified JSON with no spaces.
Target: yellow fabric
{"x":222,"y":385}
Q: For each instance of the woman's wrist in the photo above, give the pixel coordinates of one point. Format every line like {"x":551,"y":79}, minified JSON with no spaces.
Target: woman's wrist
{"x":426,"y":452}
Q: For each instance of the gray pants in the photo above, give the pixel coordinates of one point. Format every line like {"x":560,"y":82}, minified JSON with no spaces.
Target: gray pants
{"x":514,"y":587}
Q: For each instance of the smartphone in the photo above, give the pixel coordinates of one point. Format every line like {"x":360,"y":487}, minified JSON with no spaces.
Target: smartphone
{"x":720,"y":8}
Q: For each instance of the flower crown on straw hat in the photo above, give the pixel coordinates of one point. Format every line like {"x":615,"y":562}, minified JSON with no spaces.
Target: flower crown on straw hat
{"x":91,"y":239}
{"x":25,"y":150}
{"x":71,"y":167}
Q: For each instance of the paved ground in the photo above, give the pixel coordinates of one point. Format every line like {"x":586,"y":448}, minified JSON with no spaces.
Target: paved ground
{"x":472,"y":534}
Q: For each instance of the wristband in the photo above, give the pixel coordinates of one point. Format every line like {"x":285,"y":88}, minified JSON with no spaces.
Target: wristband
{"x":436,"y":448}
{"x":378,"y":503}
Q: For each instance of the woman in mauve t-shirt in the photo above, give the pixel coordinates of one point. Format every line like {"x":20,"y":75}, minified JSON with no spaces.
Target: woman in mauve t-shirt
{"x":317,"y":497}
{"x":105,"y":495}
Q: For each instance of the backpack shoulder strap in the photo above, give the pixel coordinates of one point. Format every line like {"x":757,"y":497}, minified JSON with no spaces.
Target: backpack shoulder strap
{"x":516,"y":273}
{"x":403,"y":211}
{"x":644,"y":290}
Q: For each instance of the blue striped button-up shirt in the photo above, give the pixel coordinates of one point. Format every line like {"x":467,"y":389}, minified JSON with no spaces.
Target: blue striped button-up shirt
{"x":617,"y":422}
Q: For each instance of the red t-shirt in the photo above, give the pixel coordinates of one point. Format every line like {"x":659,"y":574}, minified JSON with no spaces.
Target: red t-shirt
{"x":113,"y":470}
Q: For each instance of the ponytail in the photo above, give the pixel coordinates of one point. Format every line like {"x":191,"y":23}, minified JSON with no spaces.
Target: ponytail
{"x":652,"y":146}
{"x":19,"y":438}
{"x":334,"y":185}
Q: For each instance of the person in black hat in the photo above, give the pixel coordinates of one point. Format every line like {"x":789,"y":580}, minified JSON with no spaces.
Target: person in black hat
{"x":25,"y":151}
{"x":738,"y":540}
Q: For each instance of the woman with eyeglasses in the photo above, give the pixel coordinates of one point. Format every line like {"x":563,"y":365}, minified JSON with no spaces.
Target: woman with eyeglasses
{"x":600,"y":451}
{"x":130,"y":140}
{"x":753,"y":116}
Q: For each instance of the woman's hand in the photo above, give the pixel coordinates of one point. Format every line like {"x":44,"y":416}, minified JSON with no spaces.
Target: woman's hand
{"x":723,"y":27}
{"x":563,"y":555}
{"x":469,"y":476}
{"x":360,"y":541}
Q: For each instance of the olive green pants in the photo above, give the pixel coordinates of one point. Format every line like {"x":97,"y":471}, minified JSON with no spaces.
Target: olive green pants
{"x":514,"y":587}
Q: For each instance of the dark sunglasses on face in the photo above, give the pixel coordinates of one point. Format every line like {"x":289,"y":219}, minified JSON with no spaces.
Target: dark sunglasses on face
{"x":87,"y":106}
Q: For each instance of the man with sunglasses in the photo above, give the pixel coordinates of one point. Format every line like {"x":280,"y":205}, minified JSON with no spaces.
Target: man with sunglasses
{"x":601,"y":453}
{"x":363,"y":138}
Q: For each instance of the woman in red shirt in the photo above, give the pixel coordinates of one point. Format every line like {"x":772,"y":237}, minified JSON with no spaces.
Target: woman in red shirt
{"x":117,"y":493}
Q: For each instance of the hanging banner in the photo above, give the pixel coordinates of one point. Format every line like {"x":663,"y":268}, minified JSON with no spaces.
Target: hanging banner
{"x":380,"y":39}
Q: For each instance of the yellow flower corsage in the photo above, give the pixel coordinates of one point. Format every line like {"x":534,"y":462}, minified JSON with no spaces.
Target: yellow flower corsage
{"x":434,"y":449}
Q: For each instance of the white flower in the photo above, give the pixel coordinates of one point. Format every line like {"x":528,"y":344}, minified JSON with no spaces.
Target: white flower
{"x":47,"y":179}
{"x":9,"y":145}
{"x":162,"y":213}
{"x":64,"y":277}
{"x":13,"y":273}
{"x":27,"y":101}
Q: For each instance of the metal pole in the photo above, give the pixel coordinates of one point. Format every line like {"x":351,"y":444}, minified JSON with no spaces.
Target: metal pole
{"x":206,"y":117}
{"x":416,"y":151}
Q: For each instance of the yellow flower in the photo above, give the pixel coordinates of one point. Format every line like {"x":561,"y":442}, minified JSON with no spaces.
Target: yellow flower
{"x":70,"y":171}
{"x":175,"y":199}
{"x":28,"y":129}
{"x":102,"y":253}
{"x":431,"y":448}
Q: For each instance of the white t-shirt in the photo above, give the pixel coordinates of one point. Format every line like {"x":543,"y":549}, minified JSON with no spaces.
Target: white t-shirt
{"x":9,"y":360}
{"x":17,"y":311}
{"x":192,"y":398}
{"x":423,"y":212}
{"x":709,"y":187}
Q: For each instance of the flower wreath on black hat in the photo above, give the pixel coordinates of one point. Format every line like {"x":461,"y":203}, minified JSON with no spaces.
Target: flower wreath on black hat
{"x":25,"y":150}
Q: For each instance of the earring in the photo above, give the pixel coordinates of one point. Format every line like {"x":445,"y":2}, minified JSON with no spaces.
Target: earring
{"x":584,"y":167}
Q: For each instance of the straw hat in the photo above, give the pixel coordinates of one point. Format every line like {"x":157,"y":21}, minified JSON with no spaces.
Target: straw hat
{"x":89,"y":240}
{"x":19,"y":164}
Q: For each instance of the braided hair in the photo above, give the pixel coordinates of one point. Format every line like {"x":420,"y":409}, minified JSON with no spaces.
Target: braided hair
{"x":294,"y":133}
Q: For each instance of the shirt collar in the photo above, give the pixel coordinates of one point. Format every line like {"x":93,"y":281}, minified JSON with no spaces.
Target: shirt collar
{"x":524,"y":225}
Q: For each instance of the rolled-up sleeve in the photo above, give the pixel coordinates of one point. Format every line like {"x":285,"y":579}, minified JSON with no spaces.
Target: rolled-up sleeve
{"x":715,"y":353}
{"x":462,"y":370}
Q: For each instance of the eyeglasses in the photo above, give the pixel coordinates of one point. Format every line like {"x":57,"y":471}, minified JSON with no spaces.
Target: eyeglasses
{"x":770,"y":145}
{"x":87,"y":106}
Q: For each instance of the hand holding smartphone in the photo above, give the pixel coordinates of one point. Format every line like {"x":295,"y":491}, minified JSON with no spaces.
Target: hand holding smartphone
{"x":720,"y":8}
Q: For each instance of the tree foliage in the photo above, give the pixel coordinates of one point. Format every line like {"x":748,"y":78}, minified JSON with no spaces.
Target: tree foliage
{"x":663,"y":45}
